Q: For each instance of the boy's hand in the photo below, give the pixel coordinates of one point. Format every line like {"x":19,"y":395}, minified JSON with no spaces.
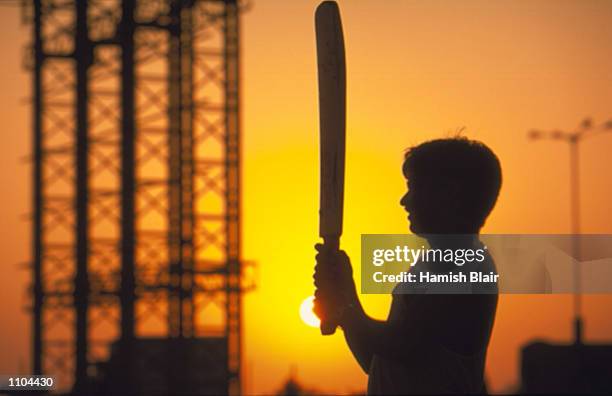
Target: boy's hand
{"x":333,"y":279}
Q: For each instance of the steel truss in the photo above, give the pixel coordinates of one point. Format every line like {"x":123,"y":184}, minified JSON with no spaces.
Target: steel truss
{"x":136,"y":180}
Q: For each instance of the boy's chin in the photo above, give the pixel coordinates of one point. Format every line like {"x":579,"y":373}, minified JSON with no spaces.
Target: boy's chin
{"x":414,"y":229}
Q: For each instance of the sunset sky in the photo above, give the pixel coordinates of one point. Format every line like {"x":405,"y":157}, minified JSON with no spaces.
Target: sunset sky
{"x":416,"y":70}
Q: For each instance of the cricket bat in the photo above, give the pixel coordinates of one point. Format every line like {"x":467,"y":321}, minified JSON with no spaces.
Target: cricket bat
{"x":332,"y":126}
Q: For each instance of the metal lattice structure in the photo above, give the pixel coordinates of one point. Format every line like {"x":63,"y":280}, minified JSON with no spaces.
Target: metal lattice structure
{"x":136,"y":193}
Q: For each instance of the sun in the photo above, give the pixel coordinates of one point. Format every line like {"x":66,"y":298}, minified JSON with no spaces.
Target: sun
{"x":306,"y":313}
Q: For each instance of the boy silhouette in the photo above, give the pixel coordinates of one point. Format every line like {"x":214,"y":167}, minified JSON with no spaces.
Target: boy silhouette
{"x":430,"y":343}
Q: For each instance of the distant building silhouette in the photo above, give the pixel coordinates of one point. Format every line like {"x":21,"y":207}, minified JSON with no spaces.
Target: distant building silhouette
{"x":165,"y":366}
{"x":575,"y":368}
{"x":292,"y":387}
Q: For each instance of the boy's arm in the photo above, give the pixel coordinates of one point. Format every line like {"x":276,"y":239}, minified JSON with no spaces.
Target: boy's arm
{"x":392,"y":339}
{"x":359,"y":332}
{"x":334,"y":274}
{"x":365,"y":336}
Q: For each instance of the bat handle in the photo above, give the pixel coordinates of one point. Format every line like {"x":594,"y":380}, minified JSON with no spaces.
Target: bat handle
{"x":328,"y":325}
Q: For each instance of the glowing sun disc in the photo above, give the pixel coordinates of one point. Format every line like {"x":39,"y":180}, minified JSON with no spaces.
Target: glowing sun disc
{"x":306,"y":313}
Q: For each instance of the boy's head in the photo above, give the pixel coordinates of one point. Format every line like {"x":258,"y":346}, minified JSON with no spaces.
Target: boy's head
{"x":453,"y":185}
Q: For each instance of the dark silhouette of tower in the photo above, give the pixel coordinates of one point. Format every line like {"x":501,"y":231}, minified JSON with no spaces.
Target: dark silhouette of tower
{"x":136,"y":195}
{"x":576,"y":368}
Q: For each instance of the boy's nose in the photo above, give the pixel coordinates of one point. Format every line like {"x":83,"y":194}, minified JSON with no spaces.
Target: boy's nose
{"x":404,"y":200}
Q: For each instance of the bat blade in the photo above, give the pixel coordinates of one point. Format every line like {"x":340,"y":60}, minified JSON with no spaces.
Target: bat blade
{"x":332,"y":118}
{"x":332,"y":126}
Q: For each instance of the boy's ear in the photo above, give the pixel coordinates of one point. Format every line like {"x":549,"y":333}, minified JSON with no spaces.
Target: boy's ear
{"x":452,"y":194}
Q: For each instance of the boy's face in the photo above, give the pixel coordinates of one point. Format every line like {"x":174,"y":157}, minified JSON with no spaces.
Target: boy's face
{"x":412,"y":203}
{"x":431,"y":208}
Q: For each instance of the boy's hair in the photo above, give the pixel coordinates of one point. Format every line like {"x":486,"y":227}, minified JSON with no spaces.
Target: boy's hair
{"x":468,"y":164}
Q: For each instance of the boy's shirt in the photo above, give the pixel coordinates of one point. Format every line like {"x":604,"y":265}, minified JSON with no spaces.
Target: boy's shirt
{"x":450,"y":354}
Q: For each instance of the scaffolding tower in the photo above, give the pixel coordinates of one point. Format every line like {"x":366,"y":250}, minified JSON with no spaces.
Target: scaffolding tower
{"x":136,"y":190}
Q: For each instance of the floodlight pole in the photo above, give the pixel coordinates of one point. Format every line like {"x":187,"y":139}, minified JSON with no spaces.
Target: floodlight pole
{"x":575,"y":224}
{"x":574,"y":139}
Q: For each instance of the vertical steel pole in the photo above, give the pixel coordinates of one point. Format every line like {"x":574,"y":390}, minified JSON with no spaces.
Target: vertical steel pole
{"x":186,"y":114}
{"x":127,"y":170}
{"x":575,"y":215}
{"x":127,"y":294}
{"x":232,"y":192}
{"x":175,"y":181}
{"x":81,"y":291}
{"x":37,"y":193}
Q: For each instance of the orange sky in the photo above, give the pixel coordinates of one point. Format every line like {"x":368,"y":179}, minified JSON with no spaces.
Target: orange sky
{"x":416,"y":70}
